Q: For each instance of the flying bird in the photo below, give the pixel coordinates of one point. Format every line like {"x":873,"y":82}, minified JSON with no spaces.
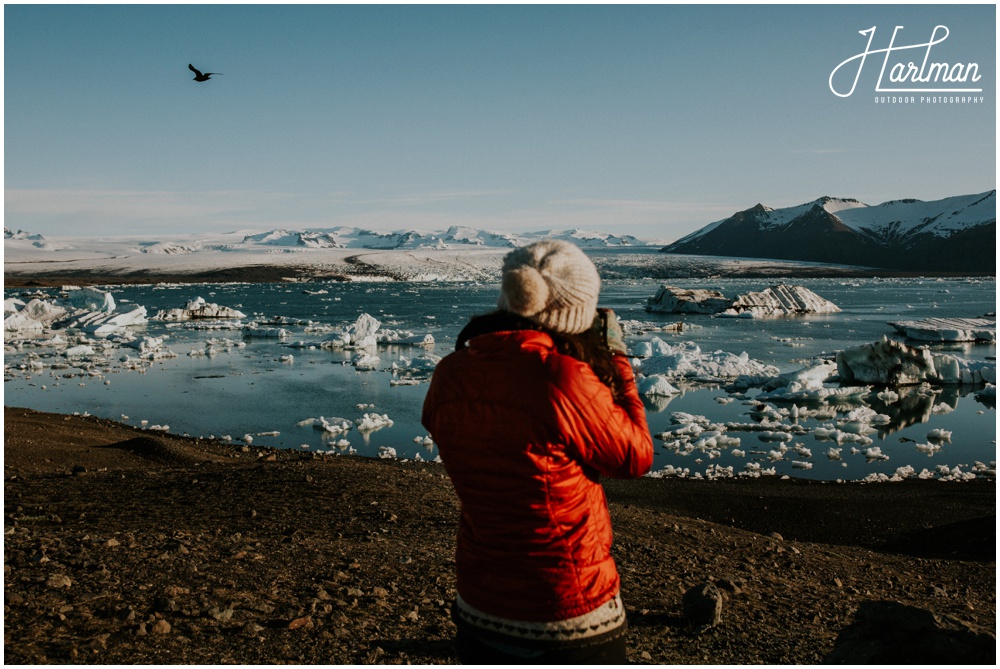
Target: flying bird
{"x":198,"y":76}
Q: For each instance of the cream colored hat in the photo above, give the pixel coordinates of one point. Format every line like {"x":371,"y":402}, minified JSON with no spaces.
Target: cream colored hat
{"x":552,"y":283}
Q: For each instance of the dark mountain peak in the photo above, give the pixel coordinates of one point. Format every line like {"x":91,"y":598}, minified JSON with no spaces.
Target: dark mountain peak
{"x":903,"y":234}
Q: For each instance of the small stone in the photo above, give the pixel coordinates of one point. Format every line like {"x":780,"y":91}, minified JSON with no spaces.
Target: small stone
{"x":837,"y":582}
{"x":165,"y":604}
{"x":252,"y":629}
{"x":222,"y":615}
{"x":298,"y":623}
{"x":729,"y":586}
{"x":776,"y":536}
{"x":59,"y":581}
{"x":380,"y":592}
{"x":161,"y":627}
{"x":111,"y":543}
{"x":645,"y":655}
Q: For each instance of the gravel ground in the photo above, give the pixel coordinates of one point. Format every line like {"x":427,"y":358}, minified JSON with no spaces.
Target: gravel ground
{"x":126,"y":547}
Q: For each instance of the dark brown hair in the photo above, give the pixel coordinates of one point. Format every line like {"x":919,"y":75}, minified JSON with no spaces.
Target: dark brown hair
{"x":588,"y":346}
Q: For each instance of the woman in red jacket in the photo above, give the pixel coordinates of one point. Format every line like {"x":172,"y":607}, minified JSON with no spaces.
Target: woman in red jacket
{"x":535,"y":404}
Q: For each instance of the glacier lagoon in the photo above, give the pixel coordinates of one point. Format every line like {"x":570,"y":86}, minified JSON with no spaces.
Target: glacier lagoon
{"x":264,"y":387}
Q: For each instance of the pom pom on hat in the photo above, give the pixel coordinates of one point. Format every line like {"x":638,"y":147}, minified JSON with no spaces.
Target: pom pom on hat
{"x":552,"y":283}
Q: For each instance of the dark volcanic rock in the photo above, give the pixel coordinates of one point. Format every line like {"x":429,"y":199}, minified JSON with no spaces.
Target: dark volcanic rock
{"x":893,"y":633}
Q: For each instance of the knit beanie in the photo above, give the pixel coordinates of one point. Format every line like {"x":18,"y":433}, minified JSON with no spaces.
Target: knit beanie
{"x":552,"y":283}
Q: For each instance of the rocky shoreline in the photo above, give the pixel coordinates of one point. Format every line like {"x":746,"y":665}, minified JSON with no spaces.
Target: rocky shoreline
{"x":123,"y":546}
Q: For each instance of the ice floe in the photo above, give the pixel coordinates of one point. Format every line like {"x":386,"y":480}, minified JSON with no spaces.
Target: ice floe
{"x":365,"y":332}
{"x":948,"y":329}
{"x":686,"y":361}
{"x":778,"y":300}
{"x":892,"y":363}
{"x":198,"y":308}
{"x":86,"y":309}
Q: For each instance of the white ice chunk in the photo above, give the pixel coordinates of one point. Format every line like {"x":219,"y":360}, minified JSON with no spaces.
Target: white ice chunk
{"x":656,"y":384}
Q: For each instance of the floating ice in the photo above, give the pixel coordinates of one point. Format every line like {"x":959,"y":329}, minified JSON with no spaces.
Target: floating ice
{"x":778,"y":300}
{"x":673,"y":300}
{"x":146,"y":344}
{"x":686,"y":361}
{"x":888,"y":362}
{"x":929,"y":448}
{"x":365,"y":362}
{"x":875,"y":453}
{"x":656,"y":384}
{"x":331,"y":426}
{"x":86,"y":309}
{"x":198,"y":308}
{"x":948,"y":329}
{"x":769,"y":435}
{"x":252,"y":330}
{"x":373,"y":421}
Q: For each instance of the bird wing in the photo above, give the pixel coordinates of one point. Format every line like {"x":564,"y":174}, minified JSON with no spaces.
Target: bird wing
{"x":194,"y":69}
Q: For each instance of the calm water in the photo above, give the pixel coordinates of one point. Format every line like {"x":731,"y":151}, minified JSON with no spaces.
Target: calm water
{"x":255,"y":389}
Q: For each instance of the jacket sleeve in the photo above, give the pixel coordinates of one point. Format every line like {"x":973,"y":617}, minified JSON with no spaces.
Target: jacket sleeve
{"x":611,"y":437}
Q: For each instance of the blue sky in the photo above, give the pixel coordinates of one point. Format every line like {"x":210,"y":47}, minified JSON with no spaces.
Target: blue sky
{"x":652,"y":120}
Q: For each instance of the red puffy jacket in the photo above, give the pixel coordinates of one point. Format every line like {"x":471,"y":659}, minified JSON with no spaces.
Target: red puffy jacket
{"x":524,"y":433}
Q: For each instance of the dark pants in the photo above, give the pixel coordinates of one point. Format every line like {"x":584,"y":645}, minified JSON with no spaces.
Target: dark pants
{"x":474,"y":650}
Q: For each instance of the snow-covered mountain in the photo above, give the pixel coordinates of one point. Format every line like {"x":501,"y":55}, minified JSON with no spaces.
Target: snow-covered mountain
{"x":953,"y":234}
{"x":455,"y":237}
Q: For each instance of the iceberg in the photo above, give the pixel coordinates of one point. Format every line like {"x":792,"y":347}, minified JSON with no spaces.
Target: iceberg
{"x":674,"y":300}
{"x":44,"y":311}
{"x":778,"y":300}
{"x":105,"y":323}
{"x":687,"y":361}
{"x":90,"y":299}
{"x":196,"y":309}
{"x":892,"y":363}
{"x":656,"y":384}
{"x":21,"y":322}
{"x":366,"y":333}
{"x":87,"y":309}
{"x":948,"y":329}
